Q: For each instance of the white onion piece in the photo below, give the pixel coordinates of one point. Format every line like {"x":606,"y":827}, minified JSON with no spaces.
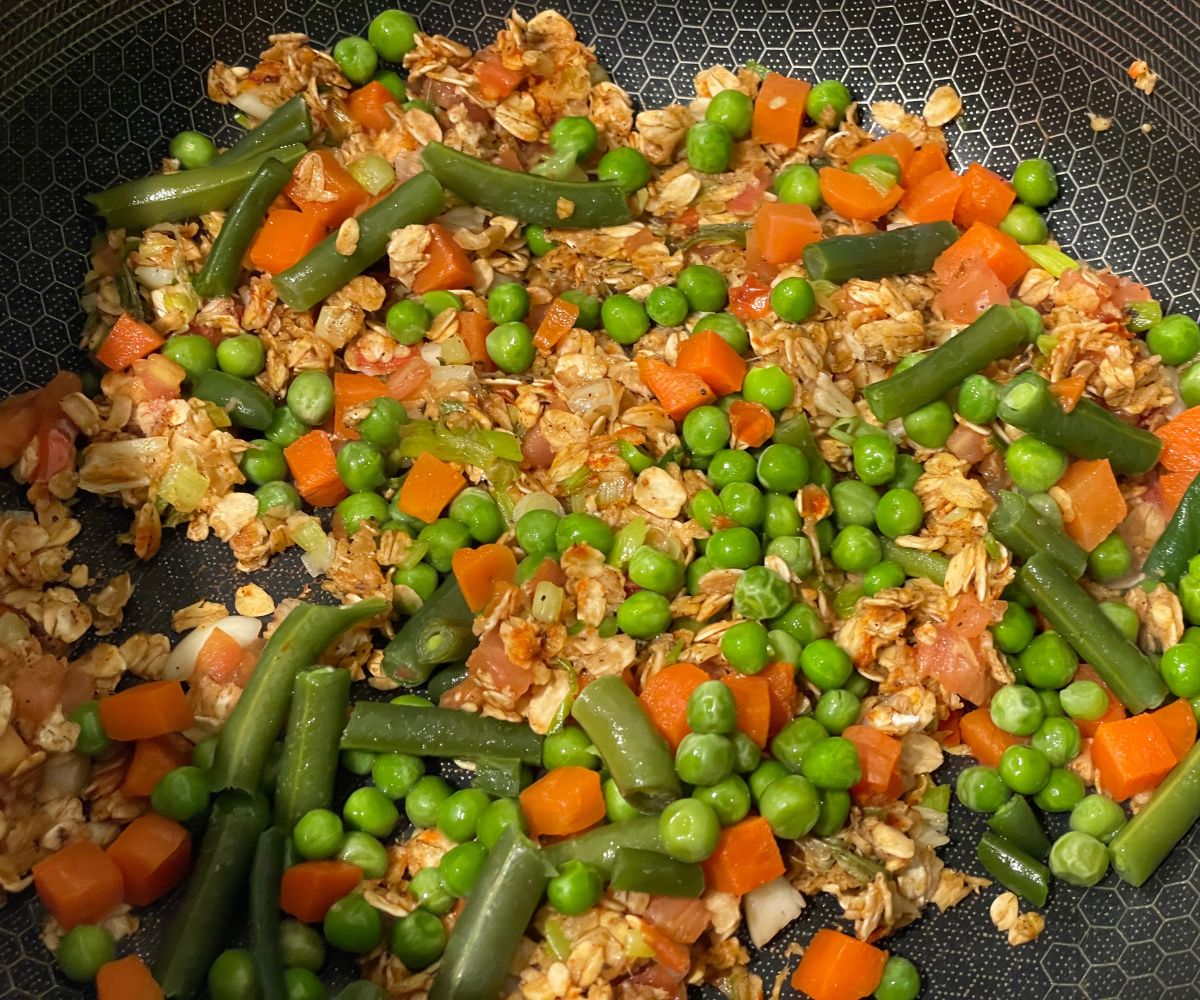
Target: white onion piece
{"x":155,"y":277}
{"x":318,"y":560}
{"x":182,"y":660}
{"x":251,"y":103}
{"x":452,"y":373}
{"x":600,"y":397}
{"x":538,"y":500}
{"x":770,"y":908}
{"x":66,"y":773}
{"x":431,"y":353}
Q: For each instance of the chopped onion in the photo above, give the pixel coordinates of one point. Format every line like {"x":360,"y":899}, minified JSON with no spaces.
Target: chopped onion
{"x":155,"y":277}
{"x":547,"y":602}
{"x":431,"y":353}
{"x":448,"y":374}
{"x":614,"y":490}
{"x":183,"y":486}
{"x":601,"y":397}
{"x":182,"y":660}
{"x":66,"y":774}
{"x":454,"y":351}
{"x":770,"y":908}
{"x":308,"y":534}
{"x":538,"y":500}
{"x":250,"y":102}
{"x":12,"y":629}
{"x":318,"y":560}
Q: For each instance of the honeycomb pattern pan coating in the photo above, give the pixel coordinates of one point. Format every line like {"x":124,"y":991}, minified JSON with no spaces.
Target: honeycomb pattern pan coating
{"x":90,"y":88}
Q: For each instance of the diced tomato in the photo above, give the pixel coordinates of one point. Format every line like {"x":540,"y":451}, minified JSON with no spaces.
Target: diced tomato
{"x":953,"y":657}
{"x":970,"y":292}
{"x":409,"y":379}
{"x":750,"y":300}
{"x":683,"y":920}
{"x":37,"y":688}
{"x":490,"y":661}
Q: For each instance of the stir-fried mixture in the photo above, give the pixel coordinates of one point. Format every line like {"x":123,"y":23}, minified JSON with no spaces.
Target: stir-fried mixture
{"x":712,"y":471}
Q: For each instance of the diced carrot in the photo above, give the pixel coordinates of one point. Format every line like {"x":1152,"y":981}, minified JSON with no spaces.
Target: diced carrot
{"x":369,"y":106}
{"x":1178,"y":724}
{"x":708,"y":355}
{"x":557,"y":323}
{"x":933,"y":198}
{"x":347,"y":194}
{"x":853,"y":196}
{"x":496,"y":81}
{"x":895,"y":144}
{"x":751,"y":423}
{"x":986,"y":197}
{"x":145,"y":710}
{"x":350,"y":389}
{"x":473,"y":328}
{"x":310,"y":888}
{"x":949,"y":732}
{"x":565,"y":800}
{"x":1114,"y":712}
{"x":665,"y":696}
{"x":1171,"y":488}
{"x":929,"y":159}
{"x":127,"y":341}
{"x":313,"y":466}
{"x":79,"y":884}
{"x":448,"y":267}
{"x":973,"y":289}
{"x":1181,"y":442}
{"x":836,"y":966}
{"x":782,"y":231}
{"x":678,"y":392}
{"x":879,"y":759}
{"x":746,"y":857}
{"x":284,"y":238}
{"x":1131,"y":756}
{"x":1097,"y":506}
{"x":126,"y":979}
{"x":1069,"y":391}
{"x":673,"y":956}
{"x":999,"y":251}
{"x":429,"y":486}
{"x":986,"y":740}
{"x":152,"y":758}
{"x":779,"y":110}
{"x":154,"y":854}
{"x":752,"y":695}
{"x":478,"y":571}
{"x":755,"y":265}
{"x":750,"y":300}
{"x":785,"y":696}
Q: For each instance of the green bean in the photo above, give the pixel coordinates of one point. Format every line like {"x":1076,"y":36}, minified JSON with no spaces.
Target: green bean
{"x":1179,"y":541}
{"x":1014,"y":869}
{"x":916,"y":562}
{"x":214,"y":893}
{"x":490,"y":929}
{"x":1024,"y":532}
{"x":322,"y":271}
{"x":255,"y":722}
{"x":246,"y":404}
{"x":1088,"y":431}
{"x":221,"y":268}
{"x":997,"y":333}
{"x":633,"y":751}
{"x":1016,"y":822}
{"x":1092,"y":634}
{"x":265,"y":875}
{"x":308,"y":768}
{"x":501,"y":777}
{"x":524,"y":196}
{"x":444,"y":680}
{"x":440,"y":632}
{"x":636,"y":870}
{"x":439,"y":732}
{"x":287,"y":124}
{"x":1145,"y":841}
{"x":908,"y":250}
{"x":600,"y":848}
{"x":148,"y":201}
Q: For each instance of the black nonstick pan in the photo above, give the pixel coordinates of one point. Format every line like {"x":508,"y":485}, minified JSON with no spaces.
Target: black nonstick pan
{"x":91,"y":89}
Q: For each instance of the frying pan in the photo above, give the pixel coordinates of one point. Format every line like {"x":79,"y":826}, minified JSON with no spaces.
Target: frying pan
{"x":91,"y":89}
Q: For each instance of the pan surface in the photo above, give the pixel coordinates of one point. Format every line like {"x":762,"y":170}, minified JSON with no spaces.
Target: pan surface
{"x":91,"y":89}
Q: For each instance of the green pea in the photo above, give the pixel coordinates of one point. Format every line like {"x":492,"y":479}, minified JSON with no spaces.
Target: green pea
{"x":1017,"y":709}
{"x":301,"y":946}
{"x":181,"y":794}
{"x":908,"y":471}
{"x":1034,"y":465}
{"x":856,"y":549}
{"x":193,"y":353}
{"x":762,"y":777}
{"x":832,"y":763}
{"x":356,"y":58}
{"x":745,"y":646}
{"x":460,"y":866}
{"x":711,"y":709}
{"x":317,"y":834}
{"x":654,"y":570}
{"x":799,"y":184}
{"x":744,"y":504}
{"x":835,"y":810}
{"x":498,"y":817}
{"x":836,"y":709}
{"x":728,"y":327}
{"x":569,"y":747}
{"x":746,"y":753}
{"x":475,"y":508}
{"x":854,"y":502}
{"x":392,"y":80}
{"x":1189,"y":386}
{"x":802,"y":622}
{"x":369,"y":810}
{"x":626,"y":166}
{"x":1035,"y":182}
{"x":791,"y":805}
{"x":708,"y":147}
{"x":782,"y":468}
{"x":1098,"y":816}
{"x":424,"y":800}
{"x":358,"y":508}
{"x":243,"y":355}
{"x":770,"y":386}
{"x":781,"y":518}
{"x":874,"y":458}
{"x":978,"y":399}
{"x":885,"y":575}
{"x":418,"y":939}
{"x":92,"y":737}
{"x":762,"y":593}
{"x":408,"y":321}
{"x":583,"y":529}
{"x":846,"y":600}
{"x":1175,"y":338}
{"x":458,"y":816}
{"x":538,"y":241}
{"x":573,"y":134}
{"x":793,"y":300}
{"x":396,"y":774}
{"x":689,"y":830}
{"x":826,"y":664}
{"x":981,"y":789}
{"x":510,"y":346}
{"x":1058,"y":738}
{"x":1024,"y":224}
{"x":1025,"y":769}
{"x":666,"y":305}
{"x":310,"y":397}
{"x":730,"y":466}
{"x":731,"y":110}
{"x":704,"y":758}
{"x":393,"y":34}
{"x":444,"y":537}
{"x":354,"y":925}
{"x":784,"y":648}
{"x":827,"y":102}
{"x":706,"y":430}
{"x":704,"y":286}
{"x":360,"y":466}
{"x":1062,"y":792}
{"x":880,"y":168}
{"x":1180,"y":668}
{"x":535,"y":530}
{"x":192,"y":149}
{"x":508,"y":303}
{"x":431,"y":892}
{"x":644,"y":615}
{"x":365,"y":851}
{"x":357,"y":761}
{"x":83,"y":950}
{"x":232,"y":976}
{"x":1048,"y":661}
{"x":900,"y":981}
{"x":931,"y":425}
{"x":285,"y":428}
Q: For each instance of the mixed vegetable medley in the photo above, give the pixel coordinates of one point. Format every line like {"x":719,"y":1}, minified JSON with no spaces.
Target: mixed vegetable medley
{"x":712,"y":472}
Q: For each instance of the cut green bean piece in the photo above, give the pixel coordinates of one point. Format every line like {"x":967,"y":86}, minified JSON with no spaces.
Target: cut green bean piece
{"x":1146,"y":840}
{"x":440,"y":632}
{"x":1014,"y":869}
{"x":916,"y":562}
{"x":907,"y":250}
{"x":308,"y":767}
{"x":1017,"y":823}
{"x":438,"y":732}
{"x":599,"y":848}
{"x":503,"y":778}
{"x":1180,"y":540}
{"x":287,"y":124}
{"x":1024,"y":532}
{"x":265,"y":876}
{"x":636,"y":870}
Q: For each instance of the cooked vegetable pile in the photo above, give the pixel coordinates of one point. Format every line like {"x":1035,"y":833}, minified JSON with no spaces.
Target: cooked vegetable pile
{"x":690,"y":482}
